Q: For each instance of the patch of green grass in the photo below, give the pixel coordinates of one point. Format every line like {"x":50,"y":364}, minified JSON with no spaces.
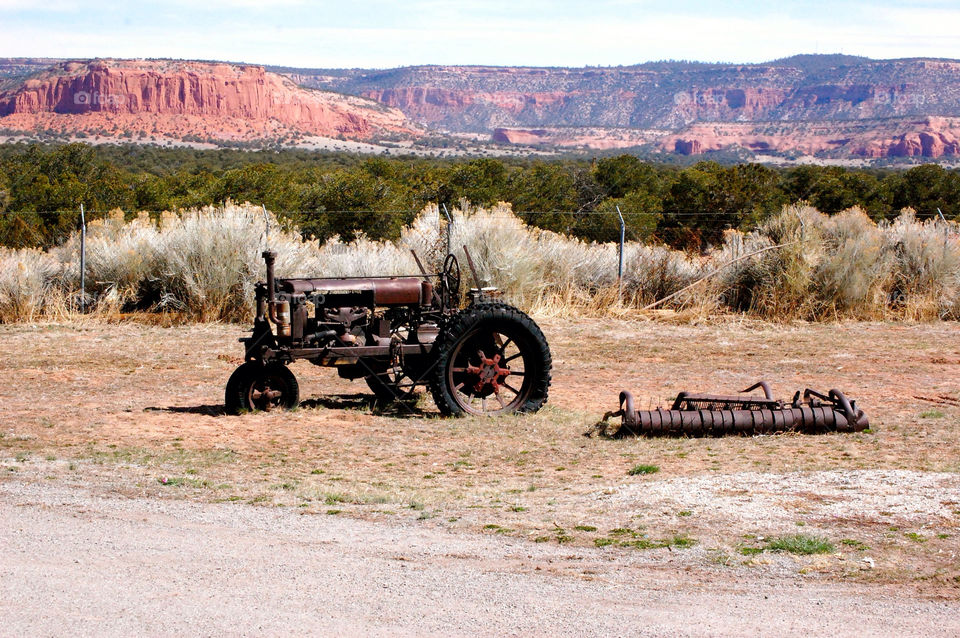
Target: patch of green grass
{"x":182,"y":481}
{"x":333,"y":498}
{"x":643,"y":469}
{"x":416,"y":505}
{"x":625,"y":537}
{"x":682,"y":541}
{"x":942,"y":536}
{"x":642,"y":543}
{"x":685,"y":513}
{"x":860,"y":546}
{"x":542,"y":539}
{"x":931,"y":414}
{"x":915,"y":537}
{"x":333,"y":512}
{"x":518,"y":508}
{"x":803,"y":544}
{"x":585,"y":528}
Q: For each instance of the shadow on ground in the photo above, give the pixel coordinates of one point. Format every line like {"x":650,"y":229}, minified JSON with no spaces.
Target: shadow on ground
{"x":367,"y":402}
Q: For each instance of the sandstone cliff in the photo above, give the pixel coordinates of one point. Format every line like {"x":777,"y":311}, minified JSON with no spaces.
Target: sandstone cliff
{"x":188,"y":98}
{"x":837,"y":106}
{"x":892,"y":106}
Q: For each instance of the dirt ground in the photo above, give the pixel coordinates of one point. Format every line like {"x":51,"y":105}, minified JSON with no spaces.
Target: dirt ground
{"x":120,"y":566}
{"x":134,"y":410}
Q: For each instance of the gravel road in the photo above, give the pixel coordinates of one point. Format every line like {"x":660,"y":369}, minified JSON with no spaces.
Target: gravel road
{"x":77,"y":562}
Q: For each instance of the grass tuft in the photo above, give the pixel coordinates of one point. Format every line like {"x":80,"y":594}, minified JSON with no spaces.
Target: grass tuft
{"x":801,"y":544}
{"x":643,"y":469}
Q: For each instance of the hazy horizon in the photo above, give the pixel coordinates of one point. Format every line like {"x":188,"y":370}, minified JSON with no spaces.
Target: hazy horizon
{"x":474,"y":64}
{"x":381,"y":34}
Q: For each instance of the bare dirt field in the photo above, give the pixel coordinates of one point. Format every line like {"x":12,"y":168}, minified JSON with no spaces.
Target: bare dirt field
{"x":133,"y":411}
{"x":120,"y":566}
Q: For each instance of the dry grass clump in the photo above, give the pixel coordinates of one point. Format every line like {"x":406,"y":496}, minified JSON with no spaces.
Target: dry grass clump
{"x":799,"y":264}
{"x":849,"y":276}
{"x":925,"y":278}
{"x":844,"y":265}
{"x":27,"y":279}
{"x":544,"y":270}
{"x":202,"y":263}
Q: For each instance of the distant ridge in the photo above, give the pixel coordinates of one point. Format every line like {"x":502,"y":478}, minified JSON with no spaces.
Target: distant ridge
{"x":812,"y":62}
{"x":831,"y":105}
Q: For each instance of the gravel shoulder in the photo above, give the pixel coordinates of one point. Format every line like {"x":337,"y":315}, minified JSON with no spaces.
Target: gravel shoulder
{"x":107,"y":565}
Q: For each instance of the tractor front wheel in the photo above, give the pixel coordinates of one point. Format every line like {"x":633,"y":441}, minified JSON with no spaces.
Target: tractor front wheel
{"x":257,"y":387}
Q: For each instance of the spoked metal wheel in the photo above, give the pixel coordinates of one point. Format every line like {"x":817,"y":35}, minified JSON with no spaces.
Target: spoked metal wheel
{"x":493,"y":359}
{"x":450,"y":280}
{"x":392,"y":385}
{"x":257,"y":387}
{"x":487,"y":374}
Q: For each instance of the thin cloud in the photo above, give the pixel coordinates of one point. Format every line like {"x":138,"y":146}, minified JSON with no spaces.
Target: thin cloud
{"x":539,"y":33}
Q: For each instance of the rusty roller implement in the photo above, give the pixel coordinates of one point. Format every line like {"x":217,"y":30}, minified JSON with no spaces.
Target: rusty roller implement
{"x":717,"y":415}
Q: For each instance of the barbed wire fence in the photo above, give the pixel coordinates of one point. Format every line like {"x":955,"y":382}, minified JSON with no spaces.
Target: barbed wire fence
{"x":77,"y":221}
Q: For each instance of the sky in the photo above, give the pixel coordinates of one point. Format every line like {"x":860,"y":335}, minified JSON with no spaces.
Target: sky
{"x":381,"y":34}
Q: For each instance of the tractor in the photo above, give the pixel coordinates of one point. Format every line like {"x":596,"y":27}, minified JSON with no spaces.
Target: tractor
{"x":397,"y":333}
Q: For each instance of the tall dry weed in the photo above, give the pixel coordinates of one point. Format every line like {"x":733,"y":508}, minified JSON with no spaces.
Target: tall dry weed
{"x":852,"y":273}
{"x":926,"y":267}
{"x":799,"y":264}
{"x":27,"y":279}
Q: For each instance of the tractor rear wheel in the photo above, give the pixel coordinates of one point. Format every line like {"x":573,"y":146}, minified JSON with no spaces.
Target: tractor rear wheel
{"x":254,"y":387}
{"x":491,"y":359}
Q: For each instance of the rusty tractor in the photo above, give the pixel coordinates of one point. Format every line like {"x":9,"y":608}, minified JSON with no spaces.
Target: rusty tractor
{"x":396,"y":333}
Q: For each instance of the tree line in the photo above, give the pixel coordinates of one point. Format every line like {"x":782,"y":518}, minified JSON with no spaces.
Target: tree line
{"x":325,"y":194}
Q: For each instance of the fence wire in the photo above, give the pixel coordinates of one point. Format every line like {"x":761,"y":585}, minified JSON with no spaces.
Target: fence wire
{"x":434,"y":232}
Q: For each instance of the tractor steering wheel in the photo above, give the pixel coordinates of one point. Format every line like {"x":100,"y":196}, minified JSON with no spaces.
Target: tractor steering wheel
{"x":450,"y":280}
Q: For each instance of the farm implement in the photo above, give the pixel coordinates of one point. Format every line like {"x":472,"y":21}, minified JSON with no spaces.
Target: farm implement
{"x":700,"y":415}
